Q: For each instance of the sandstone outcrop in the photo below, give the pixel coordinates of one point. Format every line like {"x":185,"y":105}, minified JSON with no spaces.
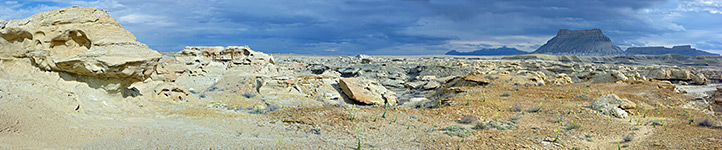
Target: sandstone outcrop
{"x":235,"y":55}
{"x":580,"y":43}
{"x":171,"y":91}
{"x":78,"y":40}
{"x":367,"y":92}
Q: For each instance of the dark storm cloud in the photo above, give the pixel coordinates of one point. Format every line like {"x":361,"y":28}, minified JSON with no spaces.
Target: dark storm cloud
{"x":376,"y":26}
{"x":360,"y":26}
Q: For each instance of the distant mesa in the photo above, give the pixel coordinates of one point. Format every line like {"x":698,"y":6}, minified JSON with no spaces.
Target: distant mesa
{"x":489,"y":52}
{"x":580,"y":43}
{"x":685,"y":50}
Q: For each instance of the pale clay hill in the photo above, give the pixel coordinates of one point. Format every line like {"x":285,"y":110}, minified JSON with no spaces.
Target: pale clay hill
{"x":73,"y":78}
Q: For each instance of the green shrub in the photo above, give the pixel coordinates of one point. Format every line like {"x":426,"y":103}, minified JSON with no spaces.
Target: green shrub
{"x":456,"y":130}
{"x":706,"y":123}
{"x":499,"y":125}
{"x":468,"y":119}
{"x":628,"y":138}
{"x":572,"y":127}
{"x":506,"y":95}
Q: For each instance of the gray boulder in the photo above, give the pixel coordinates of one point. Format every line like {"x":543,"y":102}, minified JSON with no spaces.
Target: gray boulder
{"x":612,"y":105}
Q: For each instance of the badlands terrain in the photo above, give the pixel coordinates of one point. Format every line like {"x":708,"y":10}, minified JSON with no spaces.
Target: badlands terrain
{"x":73,"y":78}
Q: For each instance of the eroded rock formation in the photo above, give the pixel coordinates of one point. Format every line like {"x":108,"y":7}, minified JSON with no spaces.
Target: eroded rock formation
{"x":82,"y":41}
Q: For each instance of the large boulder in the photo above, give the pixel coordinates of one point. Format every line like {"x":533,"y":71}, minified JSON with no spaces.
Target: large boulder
{"x":367,"y":92}
{"x":699,"y":79}
{"x":613,"y":105}
{"x":81,"y":41}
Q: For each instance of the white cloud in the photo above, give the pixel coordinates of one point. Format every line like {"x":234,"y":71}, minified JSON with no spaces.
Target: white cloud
{"x":145,"y":19}
{"x":103,"y":4}
{"x":711,"y":6}
{"x":19,"y":11}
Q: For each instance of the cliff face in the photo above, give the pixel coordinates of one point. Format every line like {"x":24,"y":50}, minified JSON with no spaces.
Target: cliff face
{"x":686,"y":50}
{"x":489,"y":52}
{"x":580,"y":43}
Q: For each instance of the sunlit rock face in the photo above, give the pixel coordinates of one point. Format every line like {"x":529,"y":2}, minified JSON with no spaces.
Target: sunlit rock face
{"x":85,"y":42}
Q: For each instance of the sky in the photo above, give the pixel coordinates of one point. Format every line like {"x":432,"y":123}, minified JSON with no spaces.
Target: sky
{"x":398,"y":27}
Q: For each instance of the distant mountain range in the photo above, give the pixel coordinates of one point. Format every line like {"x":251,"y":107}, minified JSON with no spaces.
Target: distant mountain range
{"x":489,"y":52}
{"x":686,"y":50}
{"x":589,"y":42}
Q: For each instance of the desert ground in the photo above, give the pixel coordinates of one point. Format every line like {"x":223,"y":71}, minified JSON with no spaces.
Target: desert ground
{"x":499,"y":112}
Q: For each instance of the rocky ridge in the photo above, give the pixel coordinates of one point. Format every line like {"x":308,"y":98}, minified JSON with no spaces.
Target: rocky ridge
{"x":489,"y":52}
{"x":685,"y":50}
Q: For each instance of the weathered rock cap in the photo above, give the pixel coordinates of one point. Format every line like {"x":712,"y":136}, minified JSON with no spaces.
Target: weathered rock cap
{"x":78,"y":40}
